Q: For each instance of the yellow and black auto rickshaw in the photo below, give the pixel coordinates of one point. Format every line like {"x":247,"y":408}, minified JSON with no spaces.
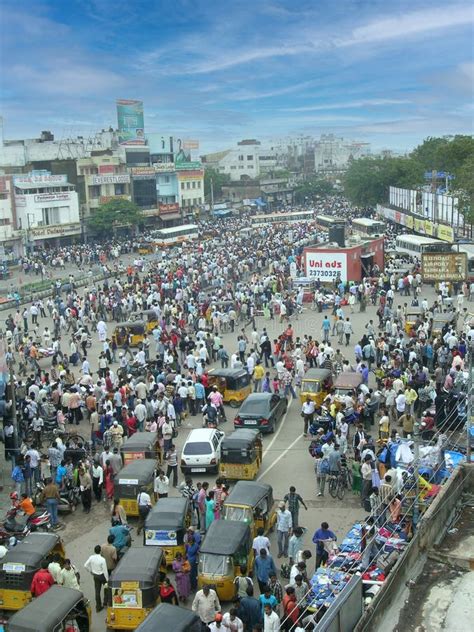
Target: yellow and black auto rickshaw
{"x":241,"y":455}
{"x":133,"y":588}
{"x":146,"y":248}
{"x":233,"y":384}
{"x":316,"y":384}
{"x":413,"y":316}
{"x":165,"y":526}
{"x":251,"y":503}
{"x":131,"y":333}
{"x":226,"y":549}
{"x":138,"y":476}
{"x":150,"y":319}
{"x":166,"y":617}
{"x":347,"y":382}
{"x":21,"y":563}
{"x":442,"y":322}
{"x":57,"y":609}
{"x":139,"y":446}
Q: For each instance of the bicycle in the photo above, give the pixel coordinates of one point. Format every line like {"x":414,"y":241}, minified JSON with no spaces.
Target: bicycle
{"x":339,"y":483}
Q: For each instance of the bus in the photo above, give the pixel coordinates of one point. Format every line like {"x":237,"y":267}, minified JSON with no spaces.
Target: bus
{"x":469,"y":250}
{"x":281,"y":218}
{"x":175,"y":235}
{"x":368,"y":227}
{"x":416,"y":245}
{"x":327,"y":221}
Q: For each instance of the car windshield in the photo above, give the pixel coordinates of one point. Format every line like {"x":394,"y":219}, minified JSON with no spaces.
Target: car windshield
{"x":197,"y":447}
{"x":254,"y":407}
{"x":310,"y":386}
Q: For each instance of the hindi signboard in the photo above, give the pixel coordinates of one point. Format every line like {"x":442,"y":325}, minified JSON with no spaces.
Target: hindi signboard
{"x":444,"y":266}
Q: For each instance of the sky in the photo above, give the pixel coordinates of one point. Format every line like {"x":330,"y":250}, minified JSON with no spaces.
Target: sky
{"x":390,"y":73}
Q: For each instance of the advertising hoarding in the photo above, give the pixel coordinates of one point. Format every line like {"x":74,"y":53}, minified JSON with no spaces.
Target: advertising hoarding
{"x":442,"y":266}
{"x":326,"y":266}
{"x":130,"y":122}
{"x":143,"y":173}
{"x":106,"y":169}
{"x":45,"y":178}
{"x":117,"y":178}
{"x":187,"y":165}
{"x":190,"y":144}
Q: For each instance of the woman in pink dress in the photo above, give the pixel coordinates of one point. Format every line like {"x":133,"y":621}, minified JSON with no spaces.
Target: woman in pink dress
{"x":109,"y":480}
{"x":183,"y":582}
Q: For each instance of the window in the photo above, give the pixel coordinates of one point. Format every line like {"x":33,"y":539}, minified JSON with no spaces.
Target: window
{"x":94,"y":191}
{"x":188,"y":185}
{"x":119,"y":189}
{"x":182,"y":186}
{"x":241,"y":157}
{"x":194,"y":184}
{"x":50,"y":216}
{"x":166,"y":179}
{"x":249,"y":157}
{"x":198,"y":184}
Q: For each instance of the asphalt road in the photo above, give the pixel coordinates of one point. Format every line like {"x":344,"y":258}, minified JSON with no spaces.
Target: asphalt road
{"x":286,"y":460}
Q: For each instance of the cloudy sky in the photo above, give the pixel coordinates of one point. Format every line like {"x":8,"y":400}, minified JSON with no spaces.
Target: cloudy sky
{"x":390,"y":73}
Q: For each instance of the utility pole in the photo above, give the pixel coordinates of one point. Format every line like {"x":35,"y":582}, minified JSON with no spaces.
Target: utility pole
{"x":416,"y":442}
{"x":212,"y":195}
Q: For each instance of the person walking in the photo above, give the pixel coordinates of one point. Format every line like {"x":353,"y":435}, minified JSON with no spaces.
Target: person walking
{"x":97,"y":480}
{"x":307,"y":412}
{"x":50,"y":495}
{"x":326,"y":329}
{"x":206,"y":604}
{"x":284,"y":525}
{"x":294,"y":501}
{"x":109,"y":553}
{"x":97,"y":567}
{"x":172,"y":460}
{"x":68,"y":576}
{"x":348,"y":330}
{"x":264,"y":565}
{"x":144,"y":506}
{"x":85,"y":482}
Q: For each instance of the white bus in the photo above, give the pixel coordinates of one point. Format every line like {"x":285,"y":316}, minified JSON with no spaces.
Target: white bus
{"x":175,"y":235}
{"x":469,"y":250}
{"x":281,"y":218}
{"x":368,"y":227}
{"x":416,"y":245}
{"x":326,"y":221}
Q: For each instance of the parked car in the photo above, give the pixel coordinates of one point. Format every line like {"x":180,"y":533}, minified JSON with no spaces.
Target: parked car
{"x":202,"y":451}
{"x":261,"y":411}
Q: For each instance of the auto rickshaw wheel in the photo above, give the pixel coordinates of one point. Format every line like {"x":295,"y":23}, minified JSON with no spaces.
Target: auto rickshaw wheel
{"x":234,"y":403}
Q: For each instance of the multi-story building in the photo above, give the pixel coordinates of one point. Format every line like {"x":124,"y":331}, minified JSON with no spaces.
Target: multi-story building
{"x":46,"y":209}
{"x":333,"y":155}
{"x":246,"y":162}
{"x":11,"y":244}
{"x":105,"y":177}
{"x":190,"y":186}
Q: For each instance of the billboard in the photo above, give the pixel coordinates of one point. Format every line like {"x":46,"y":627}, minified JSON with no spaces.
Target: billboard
{"x":190,"y":144}
{"x":442,"y":266}
{"x":326,"y":266}
{"x":143,"y":173}
{"x":117,"y":178}
{"x":130,"y":122}
{"x":43,"y":178}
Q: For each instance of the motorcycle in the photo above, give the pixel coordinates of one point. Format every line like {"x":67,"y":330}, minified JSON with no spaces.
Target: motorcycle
{"x":70,"y":497}
{"x":212,"y":417}
{"x":19,"y":524}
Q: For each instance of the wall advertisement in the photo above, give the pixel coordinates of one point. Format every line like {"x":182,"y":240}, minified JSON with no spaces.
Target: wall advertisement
{"x":143,"y":173}
{"x":130,"y":122}
{"x":118,"y":178}
{"x":61,"y":230}
{"x":442,"y":266}
{"x":326,"y":266}
{"x":45,"y":178}
{"x":422,"y":226}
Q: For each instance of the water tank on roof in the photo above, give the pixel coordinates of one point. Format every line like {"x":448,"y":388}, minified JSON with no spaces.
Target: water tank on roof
{"x":337,"y":234}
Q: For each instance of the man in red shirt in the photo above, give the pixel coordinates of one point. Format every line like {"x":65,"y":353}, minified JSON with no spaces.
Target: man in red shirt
{"x":42,"y":580}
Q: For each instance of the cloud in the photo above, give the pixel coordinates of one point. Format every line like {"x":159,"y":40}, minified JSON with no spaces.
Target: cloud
{"x":349,"y":105}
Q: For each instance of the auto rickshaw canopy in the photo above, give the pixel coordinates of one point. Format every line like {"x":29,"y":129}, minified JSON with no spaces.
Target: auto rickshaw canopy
{"x":348,"y":380}
{"x":249,"y":494}
{"x":168,"y":514}
{"x":238,"y":446}
{"x":132,"y":326}
{"x":139,"y":441}
{"x":225,"y":537}
{"x":31,"y":551}
{"x":141,"y":565}
{"x":317,"y":374}
{"x":138,"y":472}
{"x":233,"y":379}
{"x":47,"y":611}
{"x":166,"y":617}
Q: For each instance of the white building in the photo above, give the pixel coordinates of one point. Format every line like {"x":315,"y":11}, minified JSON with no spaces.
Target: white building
{"x":333,"y":154}
{"x":247,"y":161}
{"x":46,"y":206}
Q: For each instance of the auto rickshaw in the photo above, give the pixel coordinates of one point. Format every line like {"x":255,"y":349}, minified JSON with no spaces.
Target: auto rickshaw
{"x":441,"y":323}
{"x":251,"y":503}
{"x":138,"y":476}
{"x":241,"y":455}
{"x":165,"y":526}
{"x":346,"y":383}
{"x":59,"y":608}
{"x":166,"y":617}
{"x":233,"y":384}
{"x":414,"y":314}
{"x":316,"y":385}
{"x":133,"y":588}
{"x":139,"y":446}
{"x":226,"y":549}
{"x":131,"y":333}
{"x":21,"y":563}
{"x":150,"y":319}
{"x":146,"y":248}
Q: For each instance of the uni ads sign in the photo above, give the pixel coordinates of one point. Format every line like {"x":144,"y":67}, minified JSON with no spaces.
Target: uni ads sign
{"x":326,"y":266}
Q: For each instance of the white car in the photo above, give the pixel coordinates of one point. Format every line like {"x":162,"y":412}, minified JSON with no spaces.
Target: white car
{"x":202,"y":451}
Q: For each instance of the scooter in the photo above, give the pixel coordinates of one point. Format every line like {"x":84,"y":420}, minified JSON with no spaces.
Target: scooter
{"x":212,"y":417}
{"x":20,"y":524}
{"x":68,"y":501}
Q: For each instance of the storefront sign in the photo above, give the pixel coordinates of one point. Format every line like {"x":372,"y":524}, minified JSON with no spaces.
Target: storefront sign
{"x":40,"y":179}
{"x":149,"y":212}
{"x":187,"y":166}
{"x":52,"y":197}
{"x":326,"y":266}
{"x":103,"y":169}
{"x":118,"y":178}
{"x":443,"y":266}
{"x":195,"y":174}
{"x":168,"y":208}
{"x":143,"y":173}
{"x":61,"y":230}
{"x":164,"y":167}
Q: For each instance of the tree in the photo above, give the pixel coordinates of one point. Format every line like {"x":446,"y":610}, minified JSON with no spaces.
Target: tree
{"x":367,"y":180}
{"x":444,"y":154}
{"x":314,"y":187}
{"x":429,"y":152}
{"x":218,"y":181}
{"x":114,"y":214}
{"x":464,"y":184}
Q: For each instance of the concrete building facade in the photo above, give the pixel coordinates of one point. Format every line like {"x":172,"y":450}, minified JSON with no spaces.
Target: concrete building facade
{"x":333,"y":155}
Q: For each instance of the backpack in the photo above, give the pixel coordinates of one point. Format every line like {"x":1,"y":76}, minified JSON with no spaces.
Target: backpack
{"x":285,"y":571}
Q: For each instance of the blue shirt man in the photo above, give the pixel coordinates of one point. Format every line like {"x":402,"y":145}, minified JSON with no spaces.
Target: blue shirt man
{"x":264,"y":565}
{"x":320,"y":535}
{"x":121,"y":536}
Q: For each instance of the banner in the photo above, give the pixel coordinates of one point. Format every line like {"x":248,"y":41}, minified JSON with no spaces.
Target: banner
{"x":130,"y":122}
{"x":187,"y":166}
{"x":118,"y":178}
{"x":168,"y":208}
{"x":45,"y":178}
{"x":164,"y":167}
{"x":143,"y":173}
{"x":326,"y":266}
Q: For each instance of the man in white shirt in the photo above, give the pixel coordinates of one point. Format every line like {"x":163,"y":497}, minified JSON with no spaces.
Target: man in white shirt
{"x":140,"y":414}
{"x":161,"y":485}
{"x":261,"y":542}
{"x":97,"y":567}
{"x":271,"y":621}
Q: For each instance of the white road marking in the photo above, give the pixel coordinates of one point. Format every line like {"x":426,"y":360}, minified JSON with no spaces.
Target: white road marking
{"x":282,"y":422}
{"x":280,"y":457}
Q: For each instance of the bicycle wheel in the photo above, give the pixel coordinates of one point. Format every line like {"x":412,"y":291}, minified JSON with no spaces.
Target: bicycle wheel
{"x":333,"y":482}
{"x":341,"y":488}
{"x":349,"y":478}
